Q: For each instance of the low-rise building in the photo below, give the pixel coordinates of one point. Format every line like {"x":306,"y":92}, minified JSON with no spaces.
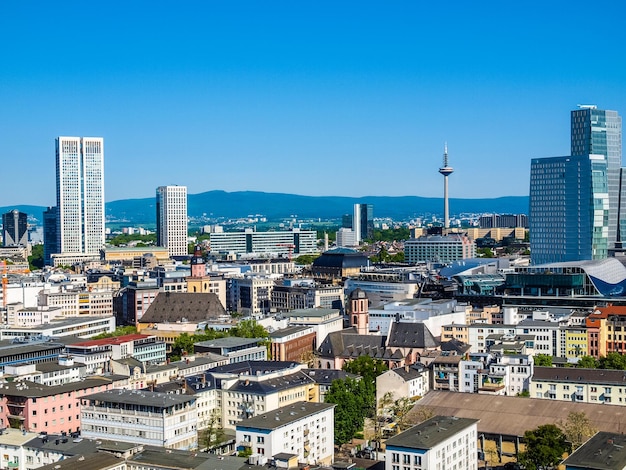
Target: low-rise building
{"x":96,"y":354}
{"x":579,"y":385}
{"x":442,"y":439}
{"x":82,"y":326}
{"x":403,"y":382}
{"x":141,"y":417}
{"x":304,"y":430}
{"x":293,"y":343}
{"x":234,"y":348}
{"x":604,"y":451}
{"x":54,"y":409}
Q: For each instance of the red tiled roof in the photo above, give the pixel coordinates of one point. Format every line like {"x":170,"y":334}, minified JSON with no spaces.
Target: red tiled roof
{"x":112,"y":341}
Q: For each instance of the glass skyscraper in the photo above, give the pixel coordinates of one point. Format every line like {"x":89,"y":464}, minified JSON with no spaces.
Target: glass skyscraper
{"x":598,"y":132}
{"x":171,"y":214}
{"x":80,"y":194}
{"x":575,"y":200}
{"x":569,"y":209}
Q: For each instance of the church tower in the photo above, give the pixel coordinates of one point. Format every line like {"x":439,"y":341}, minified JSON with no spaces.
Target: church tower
{"x":197,"y":263}
{"x":359,"y":311}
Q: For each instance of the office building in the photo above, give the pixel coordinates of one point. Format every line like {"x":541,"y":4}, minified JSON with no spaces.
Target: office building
{"x":503,"y":221}
{"x":363,"y":221}
{"x":80,"y":194}
{"x":569,"y":209}
{"x":599,"y":132}
{"x":160,"y":419}
{"x":346,"y":237}
{"x":439,"y":248}
{"x":50,"y":238}
{"x":14,"y":228}
{"x":283,"y":243}
{"x":171,"y":207}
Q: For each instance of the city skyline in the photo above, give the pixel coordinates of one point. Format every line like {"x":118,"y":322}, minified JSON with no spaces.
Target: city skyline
{"x":275,"y":97}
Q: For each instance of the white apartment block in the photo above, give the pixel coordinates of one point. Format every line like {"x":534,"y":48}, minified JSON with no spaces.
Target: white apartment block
{"x":477,"y":335}
{"x":84,"y":326}
{"x":95,"y":303}
{"x":302,"y":429}
{"x":442,"y":442}
{"x":80,"y":194}
{"x":141,"y":417}
{"x":171,"y":202}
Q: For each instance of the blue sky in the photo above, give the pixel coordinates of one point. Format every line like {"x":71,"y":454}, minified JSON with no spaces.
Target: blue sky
{"x":315,"y":98}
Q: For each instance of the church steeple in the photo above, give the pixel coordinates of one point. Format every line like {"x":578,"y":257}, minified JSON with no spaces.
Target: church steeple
{"x":359,"y":311}
{"x":197,"y":263}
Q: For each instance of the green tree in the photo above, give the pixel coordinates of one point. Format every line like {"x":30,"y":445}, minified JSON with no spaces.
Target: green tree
{"x":400,"y":411}
{"x":305,"y":259}
{"x":545,"y":447}
{"x":35,"y":260}
{"x":355,"y":400}
{"x":183,"y":345}
{"x":366,"y":367}
{"x":214,"y":434}
{"x":587,"y":362}
{"x":484,"y":252}
{"x":119,"y":331}
{"x":248,"y":329}
{"x":613,"y":360}
{"x":577,"y":428}
{"x":543,"y":360}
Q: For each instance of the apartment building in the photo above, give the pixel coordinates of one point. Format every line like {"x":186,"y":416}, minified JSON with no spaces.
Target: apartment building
{"x":303,"y":429}
{"x":579,"y":385}
{"x":437,"y":443}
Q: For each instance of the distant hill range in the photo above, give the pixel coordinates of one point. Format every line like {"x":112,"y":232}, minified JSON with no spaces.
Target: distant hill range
{"x":214,"y":204}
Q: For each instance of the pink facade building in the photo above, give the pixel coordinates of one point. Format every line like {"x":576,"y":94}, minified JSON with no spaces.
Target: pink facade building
{"x":39,"y":408}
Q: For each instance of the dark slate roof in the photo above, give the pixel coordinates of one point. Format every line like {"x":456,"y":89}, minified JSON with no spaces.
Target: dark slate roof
{"x":253,"y":367}
{"x":581,"y":376}
{"x":456,"y":346}
{"x":152,"y":457}
{"x":341,"y":258}
{"x":411,"y":335}
{"x":140,"y":397}
{"x":284,"y":415}
{"x":326,"y":376}
{"x":410,"y":372}
{"x":183,"y":306}
{"x":96,"y":461}
{"x":604,"y":451}
{"x":430,"y":433}
{"x":349,"y":345}
{"x":26,"y":388}
{"x":271,"y":385}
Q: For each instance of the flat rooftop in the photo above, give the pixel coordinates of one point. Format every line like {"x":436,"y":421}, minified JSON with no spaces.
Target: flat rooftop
{"x":284,"y":415}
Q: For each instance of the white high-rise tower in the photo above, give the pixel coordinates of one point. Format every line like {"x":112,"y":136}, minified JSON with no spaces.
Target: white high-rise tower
{"x":171,"y":207}
{"x":80,"y":194}
{"x":446,"y":171}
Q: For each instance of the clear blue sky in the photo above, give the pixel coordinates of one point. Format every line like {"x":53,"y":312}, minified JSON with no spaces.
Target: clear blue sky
{"x":316,"y":98}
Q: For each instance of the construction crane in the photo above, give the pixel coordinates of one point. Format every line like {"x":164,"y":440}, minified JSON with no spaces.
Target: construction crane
{"x":290,"y":246}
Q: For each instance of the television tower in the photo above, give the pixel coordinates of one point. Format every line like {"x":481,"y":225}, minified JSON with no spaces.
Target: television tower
{"x":446,"y":171}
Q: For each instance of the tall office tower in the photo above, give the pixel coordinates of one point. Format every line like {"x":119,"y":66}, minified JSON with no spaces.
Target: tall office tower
{"x":363,"y":221}
{"x":80,"y":194}
{"x":446,"y":171}
{"x":50,"y":238}
{"x":569,"y":208}
{"x":599,"y":132}
{"x":15,"y":228}
{"x":171,"y":207}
